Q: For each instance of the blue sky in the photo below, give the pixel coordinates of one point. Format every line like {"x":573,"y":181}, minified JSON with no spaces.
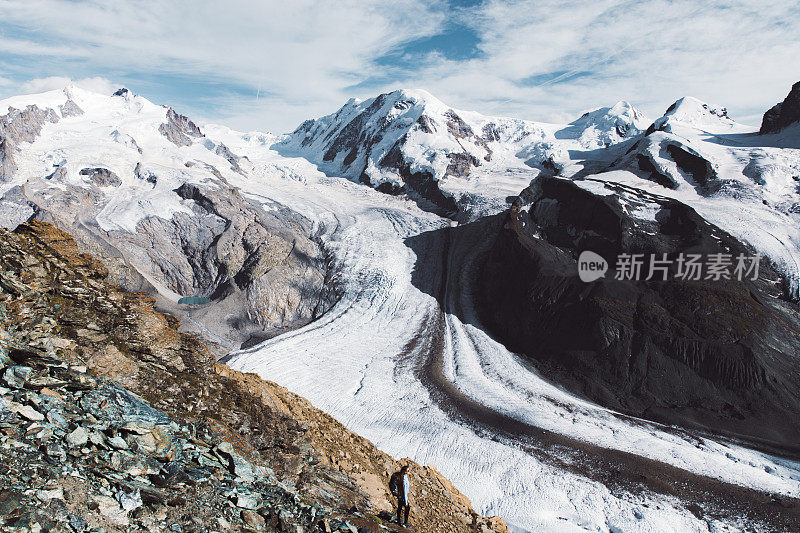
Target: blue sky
{"x":269,"y":65}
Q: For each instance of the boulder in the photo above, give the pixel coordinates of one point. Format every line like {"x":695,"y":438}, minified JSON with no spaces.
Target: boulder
{"x":78,"y":437}
{"x":27,"y":412}
{"x":15,"y":376}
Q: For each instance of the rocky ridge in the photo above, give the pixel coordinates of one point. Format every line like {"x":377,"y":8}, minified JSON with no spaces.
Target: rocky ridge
{"x":112,"y":420}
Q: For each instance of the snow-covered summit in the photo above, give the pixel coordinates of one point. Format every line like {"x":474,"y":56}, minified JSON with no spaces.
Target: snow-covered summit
{"x":408,"y":140}
{"x":98,"y":103}
{"x":607,"y":125}
{"x":693,"y":113}
{"x":387,"y":138}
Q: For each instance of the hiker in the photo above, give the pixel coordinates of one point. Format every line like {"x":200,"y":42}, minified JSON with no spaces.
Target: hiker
{"x":400,"y":486}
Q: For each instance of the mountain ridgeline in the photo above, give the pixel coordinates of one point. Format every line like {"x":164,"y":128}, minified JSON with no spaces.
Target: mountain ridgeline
{"x":409,"y":141}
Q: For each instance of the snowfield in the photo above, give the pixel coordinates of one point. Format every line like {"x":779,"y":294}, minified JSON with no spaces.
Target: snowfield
{"x":422,"y":379}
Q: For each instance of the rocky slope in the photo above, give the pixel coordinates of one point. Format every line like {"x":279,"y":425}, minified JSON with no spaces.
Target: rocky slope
{"x":717,"y":354}
{"x":146,"y":190}
{"x":110,"y":418}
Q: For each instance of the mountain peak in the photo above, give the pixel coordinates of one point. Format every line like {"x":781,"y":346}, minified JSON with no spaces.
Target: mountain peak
{"x":624,"y":107}
{"x":415,"y":94}
{"x":387,"y":139}
{"x":694,"y":113}
{"x":690,"y":108}
{"x":606,"y":125}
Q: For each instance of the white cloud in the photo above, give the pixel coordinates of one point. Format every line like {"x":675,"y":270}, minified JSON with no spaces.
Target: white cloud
{"x":300,"y":53}
{"x":731,"y":52}
{"x":303,"y":55}
{"x":40,"y":85}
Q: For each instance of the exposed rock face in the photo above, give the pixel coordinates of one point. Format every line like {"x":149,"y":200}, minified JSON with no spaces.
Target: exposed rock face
{"x":102,"y":177}
{"x":665,"y":159}
{"x":783,"y":114}
{"x":7,"y":164}
{"x":232,"y":158}
{"x":15,"y":208}
{"x":715,"y":354}
{"x":693,"y":164}
{"x":419,"y":182}
{"x":652,"y":170}
{"x":26,"y":124}
{"x":96,"y":383}
{"x":70,"y":109}
{"x":260,"y":269}
{"x":145,"y":175}
{"x":179,"y":129}
{"x":19,"y":126}
{"x":237,"y":248}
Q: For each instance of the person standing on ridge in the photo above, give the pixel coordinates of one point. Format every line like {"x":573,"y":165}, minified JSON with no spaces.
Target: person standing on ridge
{"x":400,"y":486}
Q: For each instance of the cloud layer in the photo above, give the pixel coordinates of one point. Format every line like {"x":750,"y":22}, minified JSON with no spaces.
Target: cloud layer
{"x":40,"y":85}
{"x":269,"y":65}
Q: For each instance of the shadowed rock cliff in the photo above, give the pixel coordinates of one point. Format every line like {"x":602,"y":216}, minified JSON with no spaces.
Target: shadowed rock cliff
{"x":783,"y":114}
{"x":716,"y":354}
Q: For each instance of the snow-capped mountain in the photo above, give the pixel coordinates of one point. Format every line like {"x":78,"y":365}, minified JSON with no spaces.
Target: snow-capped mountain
{"x":143,"y":187}
{"x":691,"y":112}
{"x":408,"y":140}
{"x":671,"y":154}
{"x":694,"y":182}
{"x":606,"y":126}
{"x":745,"y":182}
